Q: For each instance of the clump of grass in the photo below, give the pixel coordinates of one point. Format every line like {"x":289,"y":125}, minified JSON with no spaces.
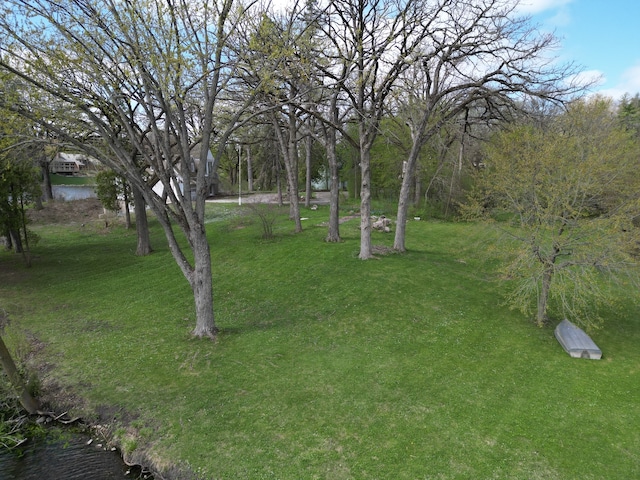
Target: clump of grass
{"x":15,"y":426}
{"x":129,"y":444}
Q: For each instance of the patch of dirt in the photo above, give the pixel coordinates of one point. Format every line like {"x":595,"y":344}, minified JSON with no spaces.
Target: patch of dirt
{"x":67,"y":212}
{"x":341,"y":220}
{"x":382,"y":250}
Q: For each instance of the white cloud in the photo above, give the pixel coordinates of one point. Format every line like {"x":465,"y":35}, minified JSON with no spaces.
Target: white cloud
{"x":590,"y":77}
{"x":629,"y":83}
{"x":537,"y":6}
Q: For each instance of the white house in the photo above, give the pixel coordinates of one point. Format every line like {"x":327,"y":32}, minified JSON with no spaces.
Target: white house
{"x":179,"y":186}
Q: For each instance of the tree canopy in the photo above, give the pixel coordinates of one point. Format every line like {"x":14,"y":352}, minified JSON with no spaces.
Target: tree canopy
{"x":137,"y":85}
{"x":157,"y":90}
{"x":571,"y":187}
{"x":19,"y":179}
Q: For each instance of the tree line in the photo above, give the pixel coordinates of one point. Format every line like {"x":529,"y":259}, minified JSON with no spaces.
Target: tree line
{"x":163,"y":92}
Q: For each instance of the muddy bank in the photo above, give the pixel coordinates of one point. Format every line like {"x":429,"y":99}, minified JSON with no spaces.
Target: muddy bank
{"x":102,"y":433}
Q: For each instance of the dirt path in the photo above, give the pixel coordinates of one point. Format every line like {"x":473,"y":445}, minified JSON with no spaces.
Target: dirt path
{"x":319,"y":198}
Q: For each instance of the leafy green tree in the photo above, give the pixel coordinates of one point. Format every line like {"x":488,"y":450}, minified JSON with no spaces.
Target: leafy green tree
{"x":629,"y":112}
{"x":108,"y":189}
{"x":572,"y":190}
{"x":19,"y":187}
{"x":19,"y":182}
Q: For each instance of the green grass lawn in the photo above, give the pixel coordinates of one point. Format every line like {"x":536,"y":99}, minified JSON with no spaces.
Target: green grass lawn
{"x":326,"y":367}
{"x":71,"y":180}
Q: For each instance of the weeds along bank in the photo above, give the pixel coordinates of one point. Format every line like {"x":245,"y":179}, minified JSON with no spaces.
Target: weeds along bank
{"x":326,"y":366}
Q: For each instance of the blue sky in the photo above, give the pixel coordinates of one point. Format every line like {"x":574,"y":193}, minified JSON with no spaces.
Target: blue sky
{"x":602,"y":36}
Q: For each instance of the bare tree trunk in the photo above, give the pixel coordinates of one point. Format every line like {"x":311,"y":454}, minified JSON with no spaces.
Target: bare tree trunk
{"x":401,"y":218}
{"x":47,"y":191}
{"x":16,"y":240}
{"x":308,"y":151}
{"x":356,"y":181}
{"x":199,"y":274}
{"x":543,"y":297}
{"x":403,"y":199}
{"x":29,"y":403}
{"x":365,"y":199}
{"x":278,"y":176}
{"x":289,"y":150}
{"x":127,"y":213}
{"x":142,"y":224}
{"x":249,"y":170}
{"x":292,"y":170}
{"x":333,"y":234}
{"x":202,"y":284}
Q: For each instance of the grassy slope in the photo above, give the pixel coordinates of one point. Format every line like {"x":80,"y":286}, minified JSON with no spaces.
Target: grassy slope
{"x":326,"y":366}
{"x":71,"y":180}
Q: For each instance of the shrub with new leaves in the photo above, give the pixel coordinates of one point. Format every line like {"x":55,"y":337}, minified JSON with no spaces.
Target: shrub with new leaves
{"x":570,"y":188}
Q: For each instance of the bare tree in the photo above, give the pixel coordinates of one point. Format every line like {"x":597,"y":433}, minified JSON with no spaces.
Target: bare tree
{"x":478,"y":57}
{"x":329,"y":140}
{"x":285,"y":125}
{"x":268,"y":50}
{"x":328,"y":109}
{"x":153,"y":72}
{"x":377,"y":39}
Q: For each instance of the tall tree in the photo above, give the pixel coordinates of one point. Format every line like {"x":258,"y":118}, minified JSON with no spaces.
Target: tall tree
{"x":278,"y":59}
{"x":329,"y":140}
{"x":573,"y":190}
{"x":376,"y":39}
{"x":285,"y":125}
{"x":19,"y":188}
{"x":478,"y":60}
{"x":147,"y":75}
{"x":331,"y":68}
{"x":19,"y":185}
{"x":629,"y":112}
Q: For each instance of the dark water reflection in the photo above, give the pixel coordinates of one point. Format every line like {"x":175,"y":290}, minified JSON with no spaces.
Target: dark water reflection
{"x":63,"y":456}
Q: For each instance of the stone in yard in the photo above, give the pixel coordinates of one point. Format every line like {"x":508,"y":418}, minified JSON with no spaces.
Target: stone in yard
{"x":382,"y":224}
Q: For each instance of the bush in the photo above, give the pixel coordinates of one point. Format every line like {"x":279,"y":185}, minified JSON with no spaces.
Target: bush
{"x":268,"y":214}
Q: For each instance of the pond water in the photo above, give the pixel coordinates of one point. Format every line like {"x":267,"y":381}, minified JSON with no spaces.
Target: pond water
{"x":63,"y":455}
{"x":73,"y":192}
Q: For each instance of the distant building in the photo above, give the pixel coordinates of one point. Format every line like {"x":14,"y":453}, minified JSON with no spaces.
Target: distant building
{"x":69,"y":163}
{"x":178,"y":182}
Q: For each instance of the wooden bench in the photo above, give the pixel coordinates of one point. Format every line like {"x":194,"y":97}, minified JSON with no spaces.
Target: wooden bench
{"x":576,"y":342}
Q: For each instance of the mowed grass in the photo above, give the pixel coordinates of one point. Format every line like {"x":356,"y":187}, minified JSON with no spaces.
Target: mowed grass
{"x":326,"y":366}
